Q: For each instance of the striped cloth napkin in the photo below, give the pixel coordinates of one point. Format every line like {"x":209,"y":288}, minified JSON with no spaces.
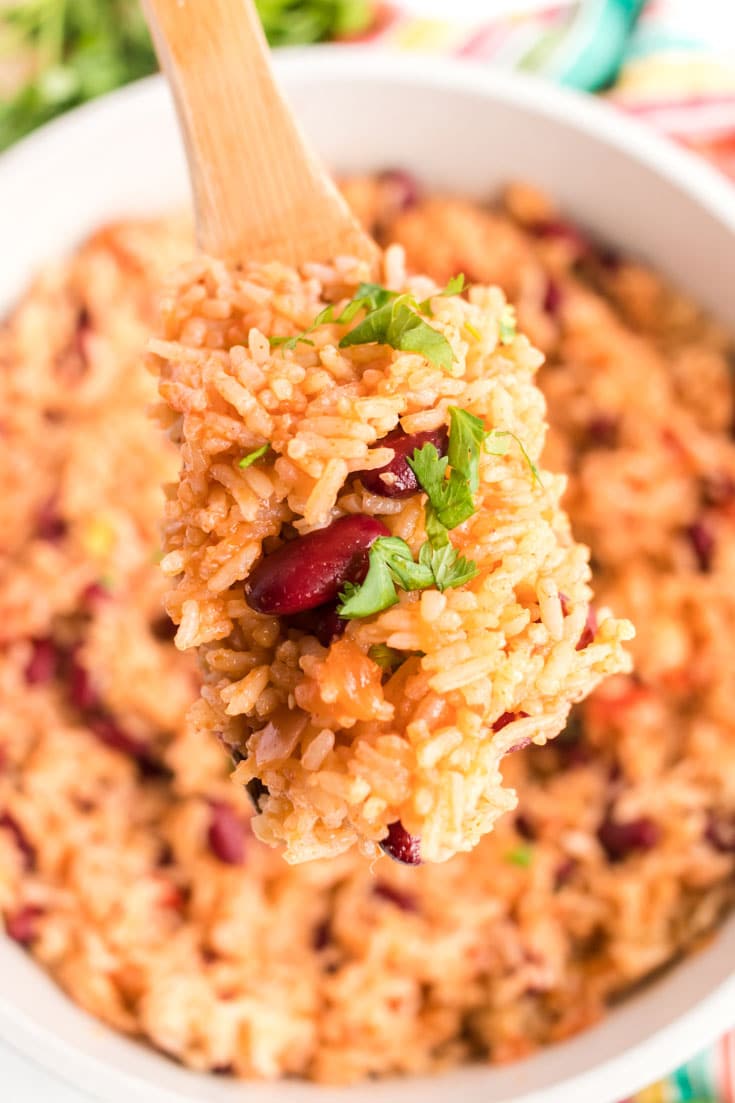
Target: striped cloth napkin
{"x":678,"y":75}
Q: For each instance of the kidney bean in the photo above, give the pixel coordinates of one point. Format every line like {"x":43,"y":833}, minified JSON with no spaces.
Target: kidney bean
{"x":525,"y":828}
{"x":112,"y":735}
{"x":564,"y":872}
{"x":311,"y":570}
{"x":703,"y":542}
{"x":81,"y":332}
{"x":602,"y":431}
{"x":226,"y":834}
{"x":50,"y":525}
{"x":619,"y":840}
{"x":720,"y":833}
{"x":21,"y":925}
{"x":401,"y":189}
{"x":256,"y":790}
{"x":322,"y":935}
{"x":81,"y":691}
{"x":718,"y":488}
{"x":401,"y":481}
{"x":553,"y":297}
{"x":401,"y":846}
{"x":506,"y":718}
{"x":588,"y":632}
{"x":43,"y":663}
{"x":323,"y":622}
{"x":561,"y":230}
{"x":403,"y":900}
{"x":20,"y":839}
{"x":94,"y":594}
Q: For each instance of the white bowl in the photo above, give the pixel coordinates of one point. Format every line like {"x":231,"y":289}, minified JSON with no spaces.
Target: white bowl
{"x":458,"y":127}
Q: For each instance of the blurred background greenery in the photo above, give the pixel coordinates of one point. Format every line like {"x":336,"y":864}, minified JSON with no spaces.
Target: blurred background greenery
{"x":55,"y":54}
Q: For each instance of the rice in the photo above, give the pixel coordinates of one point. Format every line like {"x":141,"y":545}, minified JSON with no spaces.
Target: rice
{"x":120,"y":869}
{"x":415,"y":749}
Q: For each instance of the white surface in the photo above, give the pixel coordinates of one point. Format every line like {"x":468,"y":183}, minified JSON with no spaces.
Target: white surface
{"x":458,"y":127}
{"x":23,"y":1081}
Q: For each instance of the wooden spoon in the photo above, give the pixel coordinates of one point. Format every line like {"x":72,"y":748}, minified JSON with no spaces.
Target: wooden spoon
{"x":260,"y":192}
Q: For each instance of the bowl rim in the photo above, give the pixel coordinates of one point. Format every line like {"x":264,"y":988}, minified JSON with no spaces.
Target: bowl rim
{"x":652,"y":1057}
{"x":337,"y":63}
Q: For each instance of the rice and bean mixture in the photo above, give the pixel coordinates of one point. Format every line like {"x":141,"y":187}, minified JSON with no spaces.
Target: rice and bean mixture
{"x":382,"y":585}
{"x":127,"y":865}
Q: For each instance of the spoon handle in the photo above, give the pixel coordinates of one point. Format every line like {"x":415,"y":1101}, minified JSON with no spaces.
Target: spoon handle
{"x":260,"y":192}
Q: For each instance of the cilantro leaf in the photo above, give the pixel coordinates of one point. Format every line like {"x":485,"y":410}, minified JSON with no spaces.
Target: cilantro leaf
{"x":466,"y":436}
{"x":521,"y":856}
{"x":394,"y":323}
{"x":377,"y":592}
{"x":290,"y":342}
{"x":253,"y":457}
{"x":408,"y":574}
{"x":455,"y":286}
{"x":450,"y":568}
{"x":450,"y":499}
{"x":371,"y":296}
{"x":391,"y":564}
{"x":507,"y":326}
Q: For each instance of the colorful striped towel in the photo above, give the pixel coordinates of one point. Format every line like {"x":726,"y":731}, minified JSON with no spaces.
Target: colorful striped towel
{"x":678,"y":75}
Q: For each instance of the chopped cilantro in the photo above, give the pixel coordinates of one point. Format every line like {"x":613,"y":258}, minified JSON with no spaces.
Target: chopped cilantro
{"x":507,"y":326}
{"x":391,"y":565}
{"x":253,"y":457}
{"x":455,"y":286}
{"x":466,"y":436}
{"x":520,"y":856}
{"x":450,"y":568}
{"x":369,"y":296}
{"x":390,"y":319}
{"x":387,"y":658}
{"x":396,"y":324}
{"x":496,"y":445}
{"x":449,"y":499}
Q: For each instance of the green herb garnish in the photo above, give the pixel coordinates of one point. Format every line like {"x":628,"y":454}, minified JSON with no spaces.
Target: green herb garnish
{"x":473,"y":331}
{"x":520,"y":856}
{"x":61,"y":53}
{"x":455,"y":286}
{"x":387,"y":658}
{"x":391,"y":565}
{"x":449,"y":568}
{"x":397,"y":324}
{"x":291,"y":22}
{"x":369,"y":296}
{"x":496,"y":445}
{"x":449,"y":499}
{"x":390,"y":319}
{"x":253,"y":457}
{"x":467,"y":434}
{"x":507,"y":327}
